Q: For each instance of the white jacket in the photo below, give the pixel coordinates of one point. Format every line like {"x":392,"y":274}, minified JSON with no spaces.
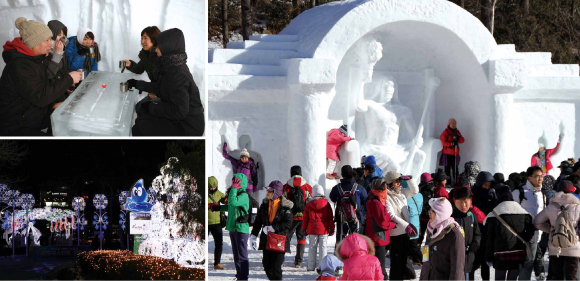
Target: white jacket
{"x":533,"y":204}
{"x":399,"y":201}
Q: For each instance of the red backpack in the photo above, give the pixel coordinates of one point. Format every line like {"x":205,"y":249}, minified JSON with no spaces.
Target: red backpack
{"x":347,"y":205}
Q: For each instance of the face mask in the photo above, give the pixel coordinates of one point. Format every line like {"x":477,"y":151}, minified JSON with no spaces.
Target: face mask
{"x":543,"y":152}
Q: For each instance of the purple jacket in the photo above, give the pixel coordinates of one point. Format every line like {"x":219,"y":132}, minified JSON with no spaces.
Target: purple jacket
{"x":248,"y":169}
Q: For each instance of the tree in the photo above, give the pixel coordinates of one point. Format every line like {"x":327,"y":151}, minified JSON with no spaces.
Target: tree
{"x":246,"y":19}
{"x":487,"y":13}
{"x":12,"y":153}
{"x":225,"y":31}
{"x":295,"y":8}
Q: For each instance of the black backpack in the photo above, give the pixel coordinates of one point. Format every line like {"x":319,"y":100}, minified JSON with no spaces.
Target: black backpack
{"x":347,"y":206}
{"x":248,"y":217}
{"x":297,"y":197}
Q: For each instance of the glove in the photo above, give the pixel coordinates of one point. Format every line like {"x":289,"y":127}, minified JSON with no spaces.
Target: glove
{"x":225,"y":146}
{"x":254,"y":242}
{"x":411,"y":232}
{"x":331,"y":233}
{"x":454,"y":143}
{"x":267,"y":228}
{"x":236,"y":183}
{"x":490,"y":264}
{"x":132,"y":83}
{"x":215,"y":207}
{"x":351,"y":138}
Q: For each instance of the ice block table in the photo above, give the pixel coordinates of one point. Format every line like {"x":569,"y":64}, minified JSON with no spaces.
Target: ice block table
{"x":92,"y":110}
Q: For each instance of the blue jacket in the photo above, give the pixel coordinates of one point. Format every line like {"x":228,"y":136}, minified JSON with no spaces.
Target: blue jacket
{"x":360,"y":194}
{"x":415,"y":207}
{"x":76,"y":61}
{"x":370,"y":160}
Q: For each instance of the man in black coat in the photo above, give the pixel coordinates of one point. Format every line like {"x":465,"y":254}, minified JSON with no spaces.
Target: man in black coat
{"x":173,"y":107}
{"x":468,"y":223}
{"x":26,"y":93}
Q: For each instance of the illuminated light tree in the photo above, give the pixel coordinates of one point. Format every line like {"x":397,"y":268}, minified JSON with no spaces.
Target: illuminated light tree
{"x":102,"y":219}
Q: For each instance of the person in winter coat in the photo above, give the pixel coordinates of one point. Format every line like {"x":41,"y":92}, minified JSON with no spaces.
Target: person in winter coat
{"x":244,"y":165}
{"x":83,"y":51}
{"x":330,"y":268}
{"x":275,"y":216}
{"x":485,"y":199}
{"x":371,"y":172}
{"x":173,"y":106}
{"x":27,"y":95}
{"x":533,"y":200}
{"x":563,"y":261}
{"x":450,"y":139}
{"x":504,"y":250}
{"x":297,"y":191}
{"x":213,"y":220}
{"x":440,"y":179}
{"x":565,"y":171}
{"x":468,"y":224}
{"x":444,"y":256}
{"x":57,"y":66}
{"x":357,"y":252}
{"x":378,"y":224}
{"x":335,"y":138}
{"x":472,"y":169}
{"x":542,"y":157}
{"x":426,"y":188}
{"x":400,"y":189}
{"x":238,"y":205}
{"x":341,"y":191}
{"x":318,"y":223}
{"x":147,"y":55}
{"x":415,"y":204}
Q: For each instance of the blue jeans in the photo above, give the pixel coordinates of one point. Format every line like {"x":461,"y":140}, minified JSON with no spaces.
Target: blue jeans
{"x":240,"y":249}
{"x":526,"y":271}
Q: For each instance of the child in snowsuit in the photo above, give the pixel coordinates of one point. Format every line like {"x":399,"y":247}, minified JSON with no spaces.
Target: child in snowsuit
{"x":358,"y":254}
{"x":318,"y":223}
{"x":336,"y":137}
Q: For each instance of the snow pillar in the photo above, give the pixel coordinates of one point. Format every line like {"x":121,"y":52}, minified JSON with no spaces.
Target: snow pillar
{"x":506,"y":77}
{"x":312,"y":87}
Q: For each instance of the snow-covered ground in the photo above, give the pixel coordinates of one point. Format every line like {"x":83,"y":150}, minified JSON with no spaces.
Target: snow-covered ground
{"x":288,"y":270}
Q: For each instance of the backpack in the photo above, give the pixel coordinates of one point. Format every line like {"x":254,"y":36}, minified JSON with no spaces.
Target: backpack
{"x":251,"y":217}
{"x":347,"y":205}
{"x":297,"y":197}
{"x":563,"y":233}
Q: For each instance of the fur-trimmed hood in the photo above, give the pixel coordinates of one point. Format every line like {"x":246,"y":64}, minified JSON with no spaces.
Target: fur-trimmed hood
{"x":507,"y":208}
{"x":353,"y":245}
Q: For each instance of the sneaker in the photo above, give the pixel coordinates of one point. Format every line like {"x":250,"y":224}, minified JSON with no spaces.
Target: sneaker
{"x":218,"y":266}
{"x":329,"y":176}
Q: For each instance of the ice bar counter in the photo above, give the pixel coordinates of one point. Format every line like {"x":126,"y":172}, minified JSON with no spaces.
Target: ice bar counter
{"x":95,"y":110}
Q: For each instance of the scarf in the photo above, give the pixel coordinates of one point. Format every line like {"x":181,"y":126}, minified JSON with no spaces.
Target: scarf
{"x":167,"y":62}
{"x":437,"y":226}
{"x":273,"y":209}
{"x":381,"y":194}
{"x":86,"y":52}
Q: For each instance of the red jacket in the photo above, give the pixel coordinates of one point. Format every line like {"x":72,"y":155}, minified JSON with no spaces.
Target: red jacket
{"x":549,"y":152}
{"x":306,"y":191}
{"x":440,"y":191}
{"x":378,"y":220}
{"x":326,"y":278}
{"x":318,"y":218}
{"x":333,"y":143}
{"x":447,"y":138}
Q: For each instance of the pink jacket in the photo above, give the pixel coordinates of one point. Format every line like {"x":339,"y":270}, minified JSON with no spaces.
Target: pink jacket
{"x":333,"y":143}
{"x":357,"y":252}
{"x":536,"y":158}
{"x":546,"y":220}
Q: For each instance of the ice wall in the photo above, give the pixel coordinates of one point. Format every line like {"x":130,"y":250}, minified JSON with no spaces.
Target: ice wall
{"x":117,"y":25}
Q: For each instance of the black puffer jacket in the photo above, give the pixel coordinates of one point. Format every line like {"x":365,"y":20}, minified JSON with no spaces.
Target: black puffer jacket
{"x":484,"y":199}
{"x":281,"y":223}
{"x":26,"y":93}
{"x":147,"y":62}
{"x":468,"y":223}
{"x":57,"y":66}
{"x":179,"y":111}
{"x":500,"y":239}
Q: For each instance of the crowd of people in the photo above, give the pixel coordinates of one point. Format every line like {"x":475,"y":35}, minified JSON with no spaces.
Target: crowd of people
{"x":43,"y":67}
{"x":450,"y":224}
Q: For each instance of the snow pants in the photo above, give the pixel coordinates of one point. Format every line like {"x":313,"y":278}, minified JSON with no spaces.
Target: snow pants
{"x":317,"y":245}
{"x":240,"y":250}
{"x":331,"y":165}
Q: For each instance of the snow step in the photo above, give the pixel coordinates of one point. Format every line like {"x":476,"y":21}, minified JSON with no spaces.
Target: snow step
{"x":554,"y":70}
{"x":245,"y":82}
{"x":263,"y":57}
{"x":506,"y":48}
{"x":263,"y":45}
{"x":563,"y":83}
{"x":244,"y":69}
{"x":536,"y":58}
{"x":210,"y":55}
{"x":274,"y":38}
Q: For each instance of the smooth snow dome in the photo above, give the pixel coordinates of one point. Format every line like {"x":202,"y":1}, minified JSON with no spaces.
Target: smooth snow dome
{"x":117,"y":25}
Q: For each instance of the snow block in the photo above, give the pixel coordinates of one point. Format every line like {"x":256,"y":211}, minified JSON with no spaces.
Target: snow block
{"x":564,"y":83}
{"x":310,"y":71}
{"x":263,"y":45}
{"x":507,"y":75}
{"x":274,"y":38}
{"x":244,"y":69}
{"x":554,"y":70}
{"x":266,"y":57}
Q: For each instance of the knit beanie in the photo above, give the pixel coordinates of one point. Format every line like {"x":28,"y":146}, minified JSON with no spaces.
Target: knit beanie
{"x":245,"y":153}
{"x":440,"y":175}
{"x":32,"y":32}
{"x":343,"y":129}
{"x":212,"y":182}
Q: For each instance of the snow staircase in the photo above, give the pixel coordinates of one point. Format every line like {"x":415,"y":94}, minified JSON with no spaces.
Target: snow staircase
{"x":542,"y":74}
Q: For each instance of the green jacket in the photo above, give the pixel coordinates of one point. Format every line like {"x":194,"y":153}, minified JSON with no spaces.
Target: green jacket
{"x":235,"y":201}
{"x":214,"y":217}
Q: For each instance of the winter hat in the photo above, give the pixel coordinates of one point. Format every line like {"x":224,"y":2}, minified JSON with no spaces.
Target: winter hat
{"x":318,"y":190}
{"x":277,"y":187}
{"x":503,"y":193}
{"x":541,"y":145}
{"x":565,"y":165}
{"x":343,"y":129}
{"x":440,"y":175}
{"x":56,"y":26}
{"x":244,"y":153}
{"x":212,"y":182}
{"x":295,"y":171}
{"x":82,"y":32}
{"x":392,"y":176}
{"x":32,"y":32}
{"x":443,"y":210}
{"x":566,"y":186}
{"x":499,"y":178}
{"x":548,"y":182}
{"x":370,"y":161}
{"x":331,"y":266}
{"x":426,"y":177}
{"x":451,"y":120}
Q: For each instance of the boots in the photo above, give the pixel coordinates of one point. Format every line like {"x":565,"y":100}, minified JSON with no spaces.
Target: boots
{"x":299,"y":255}
{"x":218,"y":266}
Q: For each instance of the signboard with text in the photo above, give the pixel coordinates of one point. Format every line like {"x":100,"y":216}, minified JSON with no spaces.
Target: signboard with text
{"x":138,"y":221}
